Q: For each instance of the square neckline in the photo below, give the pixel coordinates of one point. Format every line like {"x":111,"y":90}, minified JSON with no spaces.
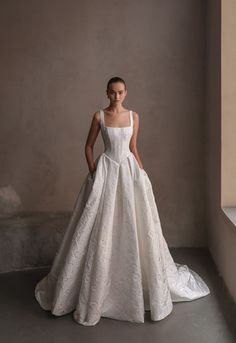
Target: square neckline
{"x":117,"y":127}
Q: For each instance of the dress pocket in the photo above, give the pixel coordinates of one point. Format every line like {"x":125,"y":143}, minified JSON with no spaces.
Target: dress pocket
{"x":140,"y":169}
{"x":143,"y":171}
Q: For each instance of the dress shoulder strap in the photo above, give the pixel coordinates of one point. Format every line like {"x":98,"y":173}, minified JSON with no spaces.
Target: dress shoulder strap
{"x":131,"y":117}
{"x":102,"y":118}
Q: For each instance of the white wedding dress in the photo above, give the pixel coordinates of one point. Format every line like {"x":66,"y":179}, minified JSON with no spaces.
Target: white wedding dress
{"x":113,"y":260}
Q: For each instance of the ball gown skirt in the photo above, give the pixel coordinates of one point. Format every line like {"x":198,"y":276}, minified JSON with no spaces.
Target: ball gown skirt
{"x":113,"y":260}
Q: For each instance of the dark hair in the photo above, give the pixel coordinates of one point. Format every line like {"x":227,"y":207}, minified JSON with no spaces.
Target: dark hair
{"x":115,"y":79}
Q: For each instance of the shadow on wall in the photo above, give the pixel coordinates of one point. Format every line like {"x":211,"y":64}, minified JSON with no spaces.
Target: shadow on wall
{"x":10,"y":201}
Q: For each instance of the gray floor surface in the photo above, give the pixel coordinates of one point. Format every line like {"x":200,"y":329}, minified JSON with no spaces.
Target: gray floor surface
{"x":211,"y":319}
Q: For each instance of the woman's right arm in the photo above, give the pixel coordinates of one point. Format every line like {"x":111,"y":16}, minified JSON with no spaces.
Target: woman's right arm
{"x":91,"y":139}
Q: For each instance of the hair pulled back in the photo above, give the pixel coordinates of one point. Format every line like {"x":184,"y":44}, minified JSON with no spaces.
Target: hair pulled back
{"x":115,"y":79}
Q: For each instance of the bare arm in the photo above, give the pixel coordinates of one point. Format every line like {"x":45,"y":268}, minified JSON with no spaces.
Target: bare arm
{"x":133,"y":141}
{"x":91,"y":139}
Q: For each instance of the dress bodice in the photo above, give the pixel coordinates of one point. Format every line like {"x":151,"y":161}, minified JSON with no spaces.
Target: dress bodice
{"x":116,"y":139}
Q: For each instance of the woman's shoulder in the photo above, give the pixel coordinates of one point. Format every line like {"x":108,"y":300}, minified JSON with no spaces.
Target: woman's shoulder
{"x":135,"y":115}
{"x":97,"y":115}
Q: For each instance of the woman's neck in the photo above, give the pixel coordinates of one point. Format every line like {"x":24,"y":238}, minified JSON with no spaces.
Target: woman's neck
{"x":115,"y":108}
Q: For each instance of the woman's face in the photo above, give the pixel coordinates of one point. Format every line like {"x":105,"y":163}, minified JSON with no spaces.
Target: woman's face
{"x":116,"y":92}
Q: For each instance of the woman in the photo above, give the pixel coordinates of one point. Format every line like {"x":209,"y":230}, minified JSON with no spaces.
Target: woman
{"x":113,"y":260}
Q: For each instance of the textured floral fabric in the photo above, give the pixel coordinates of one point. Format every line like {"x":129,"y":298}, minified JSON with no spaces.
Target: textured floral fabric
{"x":113,"y":260}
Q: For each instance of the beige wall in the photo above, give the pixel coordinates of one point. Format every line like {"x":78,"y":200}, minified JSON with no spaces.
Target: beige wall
{"x":56,"y":57}
{"x":221,"y":231}
{"x":228,"y":52}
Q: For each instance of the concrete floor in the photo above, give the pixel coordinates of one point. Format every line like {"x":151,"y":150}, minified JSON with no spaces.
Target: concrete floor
{"x":211,"y":319}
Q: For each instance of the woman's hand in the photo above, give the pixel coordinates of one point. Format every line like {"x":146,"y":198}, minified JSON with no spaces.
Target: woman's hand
{"x":92,"y":172}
